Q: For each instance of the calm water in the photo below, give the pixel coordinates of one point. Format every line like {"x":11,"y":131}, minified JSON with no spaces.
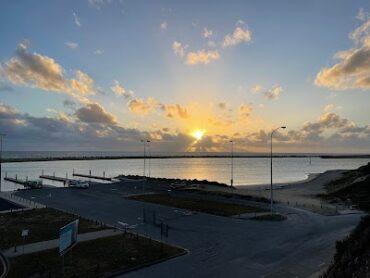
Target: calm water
{"x":247,"y":171}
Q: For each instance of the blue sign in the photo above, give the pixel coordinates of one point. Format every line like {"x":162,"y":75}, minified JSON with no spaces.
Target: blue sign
{"x":67,"y":237}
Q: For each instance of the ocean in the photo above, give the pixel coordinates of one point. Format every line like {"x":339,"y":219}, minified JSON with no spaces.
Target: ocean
{"x":247,"y":170}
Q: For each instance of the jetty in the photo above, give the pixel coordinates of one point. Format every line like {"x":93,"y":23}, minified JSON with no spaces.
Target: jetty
{"x":90,"y":176}
{"x":66,"y":181}
{"x":55,"y":178}
{"x":26,"y":183}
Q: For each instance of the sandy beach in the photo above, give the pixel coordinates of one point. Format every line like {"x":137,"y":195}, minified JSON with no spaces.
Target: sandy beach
{"x":299,"y":194}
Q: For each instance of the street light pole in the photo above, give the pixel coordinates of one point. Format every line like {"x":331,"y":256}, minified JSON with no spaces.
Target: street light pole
{"x":144,"y":154}
{"x":144,"y":168}
{"x":1,"y":154}
{"x":271,"y":193}
{"x":232,"y":163}
{"x":149,"y":156}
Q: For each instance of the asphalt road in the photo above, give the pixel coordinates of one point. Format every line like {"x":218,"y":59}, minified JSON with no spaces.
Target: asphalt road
{"x":218,"y":246}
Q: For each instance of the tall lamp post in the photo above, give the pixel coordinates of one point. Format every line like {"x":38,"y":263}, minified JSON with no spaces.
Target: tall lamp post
{"x":144,"y":166}
{"x":149,"y":157}
{"x":271,"y":193}
{"x":232,"y":163}
{"x":1,"y":154}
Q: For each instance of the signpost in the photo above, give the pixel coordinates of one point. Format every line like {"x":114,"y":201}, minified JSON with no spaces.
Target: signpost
{"x":24,"y":235}
{"x":67,"y":237}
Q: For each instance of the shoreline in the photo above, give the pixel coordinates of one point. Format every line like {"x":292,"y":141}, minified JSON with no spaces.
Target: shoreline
{"x":74,"y":158}
{"x":307,"y":179}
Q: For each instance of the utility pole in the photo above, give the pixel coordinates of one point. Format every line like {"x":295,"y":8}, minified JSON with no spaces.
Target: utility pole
{"x":1,"y":155}
{"x":271,"y":194}
{"x":232,"y":163}
{"x":144,"y":167}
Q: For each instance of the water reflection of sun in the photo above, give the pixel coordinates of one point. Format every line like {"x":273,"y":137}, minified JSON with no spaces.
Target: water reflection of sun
{"x":198,"y":134}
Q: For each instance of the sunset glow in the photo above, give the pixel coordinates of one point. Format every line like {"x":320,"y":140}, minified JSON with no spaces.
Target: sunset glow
{"x":98,"y":72}
{"x":198,"y":134}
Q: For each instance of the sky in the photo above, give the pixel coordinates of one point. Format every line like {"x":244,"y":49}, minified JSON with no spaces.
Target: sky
{"x":187,"y":75}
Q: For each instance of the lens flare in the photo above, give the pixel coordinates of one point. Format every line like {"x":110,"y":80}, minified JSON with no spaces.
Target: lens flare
{"x":198,"y":134}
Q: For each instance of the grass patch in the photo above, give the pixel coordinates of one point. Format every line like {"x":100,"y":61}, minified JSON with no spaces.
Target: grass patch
{"x":206,"y":206}
{"x":43,"y":224}
{"x":96,"y":258}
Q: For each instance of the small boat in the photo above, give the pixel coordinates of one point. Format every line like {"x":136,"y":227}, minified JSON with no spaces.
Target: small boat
{"x":78,"y":184}
{"x":33,"y":184}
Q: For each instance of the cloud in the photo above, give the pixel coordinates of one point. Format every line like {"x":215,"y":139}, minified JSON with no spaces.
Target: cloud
{"x":27,"y":132}
{"x":95,"y":113}
{"x":76,"y":19}
{"x":222,"y":105}
{"x":120,"y":91}
{"x":163,"y":25}
{"x":34,"y":69}
{"x":178,"y":48}
{"x":71,"y":45}
{"x":241,"y":34}
{"x":142,"y":107}
{"x":202,"y":57}
{"x":97,"y":4}
{"x":353,"y":69}
{"x":211,"y":44}
{"x":273,"y":93}
{"x":98,"y":52}
{"x":330,"y":132}
{"x":69,"y":103}
{"x":257,"y":89}
{"x":83,"y":84}
{"x":245,"y":111}
{"x":207,"y":34}
{"x":329,"y":107}
{"x":175,"y":111}
{"x":218,"y":122}
{"x":362,"y":15}
{"x":42,"y":72}
{"x":6,"y":110}
{"x":329,"y":122}
{"x":60,"y":115}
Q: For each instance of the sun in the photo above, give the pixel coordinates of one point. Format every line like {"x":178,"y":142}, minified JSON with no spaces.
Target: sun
{"x":198,"y":134}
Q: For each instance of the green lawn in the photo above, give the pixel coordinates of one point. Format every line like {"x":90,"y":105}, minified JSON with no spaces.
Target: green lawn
{"x":43,"y":224}
{"x":96,"y":258}
{"x":206,"y":206}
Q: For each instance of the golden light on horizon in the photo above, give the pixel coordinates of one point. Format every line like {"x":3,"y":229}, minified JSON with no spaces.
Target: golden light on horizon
{"x":198,"y":134}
